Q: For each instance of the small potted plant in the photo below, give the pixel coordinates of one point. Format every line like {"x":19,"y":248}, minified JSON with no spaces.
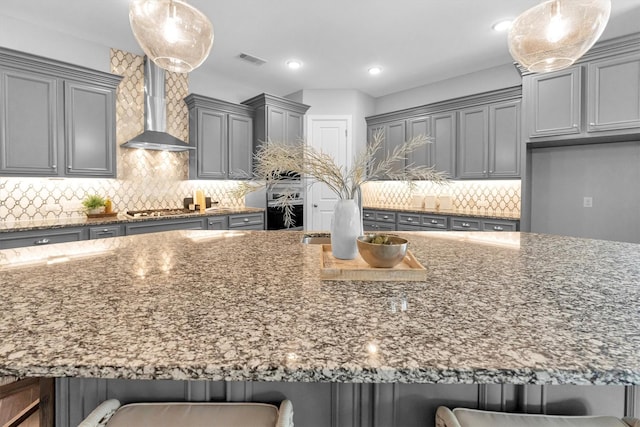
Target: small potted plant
{"x":94,"y":204}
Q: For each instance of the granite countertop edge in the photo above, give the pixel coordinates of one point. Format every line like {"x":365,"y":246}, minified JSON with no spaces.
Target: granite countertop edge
{"x":121,"y":218}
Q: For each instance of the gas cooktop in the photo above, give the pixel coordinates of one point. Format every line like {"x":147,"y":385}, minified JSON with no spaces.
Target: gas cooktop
{"x":157,"y":212}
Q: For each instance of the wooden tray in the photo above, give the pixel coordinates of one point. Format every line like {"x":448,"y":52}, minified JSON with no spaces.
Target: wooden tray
{"x":357,"y":269}
{"x":102,"y":215}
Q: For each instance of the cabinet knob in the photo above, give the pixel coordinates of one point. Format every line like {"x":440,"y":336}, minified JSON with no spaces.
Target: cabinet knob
{"x":54,"y":166}
{"x":315,"y":206}
{"x":592,"y":124}
{"x":106,"y":230}
{"x":466,"y":224}
{"x":409,"y":219}
{"x":385,"y":217}
{"x":575,"y":125}
{"x":246,"y":220}
{"x":484,"y":171}
{"x":433,"y":221}
{"x":41,"y":241}
{"x":69,"y":167}
{"x":210,"y":222}
{"x":490,"y":171}
{"x":498,"y":228}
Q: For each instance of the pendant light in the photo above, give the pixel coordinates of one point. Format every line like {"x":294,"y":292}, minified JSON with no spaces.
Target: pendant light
{"x":175,"y":35}
{"x":556,"y":33}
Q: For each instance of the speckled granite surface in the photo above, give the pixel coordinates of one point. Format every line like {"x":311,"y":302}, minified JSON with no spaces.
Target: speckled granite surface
{"x":120,"y":218}
{"x":496,"y":307}
{"x":473,"y":213}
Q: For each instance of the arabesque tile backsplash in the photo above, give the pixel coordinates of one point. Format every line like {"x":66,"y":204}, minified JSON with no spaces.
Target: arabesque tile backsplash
{"x":159,"y":179}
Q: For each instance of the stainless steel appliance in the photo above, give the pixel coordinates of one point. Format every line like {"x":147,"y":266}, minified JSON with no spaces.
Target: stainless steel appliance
{"x":293,"y":190}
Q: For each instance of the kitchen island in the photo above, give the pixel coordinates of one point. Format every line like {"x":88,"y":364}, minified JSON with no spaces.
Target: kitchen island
{"x":494,"y":308}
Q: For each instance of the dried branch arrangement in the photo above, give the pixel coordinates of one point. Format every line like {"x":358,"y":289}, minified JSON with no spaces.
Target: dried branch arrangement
{"x":276,"y":158}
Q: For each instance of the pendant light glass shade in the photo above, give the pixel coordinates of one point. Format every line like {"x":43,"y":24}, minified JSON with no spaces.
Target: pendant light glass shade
{"x":175,"y":35}
{"x":556,"y":33}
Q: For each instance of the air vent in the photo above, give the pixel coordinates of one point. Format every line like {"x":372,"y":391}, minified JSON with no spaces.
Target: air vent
{"x":252,"y":59}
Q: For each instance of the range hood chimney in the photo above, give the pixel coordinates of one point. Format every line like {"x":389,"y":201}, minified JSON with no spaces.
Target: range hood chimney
{"x":155,"y":136}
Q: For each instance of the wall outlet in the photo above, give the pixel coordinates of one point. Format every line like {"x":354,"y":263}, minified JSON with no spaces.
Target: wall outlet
{"x":588,"y":202}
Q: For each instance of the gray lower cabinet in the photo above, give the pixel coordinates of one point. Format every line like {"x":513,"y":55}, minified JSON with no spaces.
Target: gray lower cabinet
{"x":417,"y":222}
{"x":348,"y":404}
{"x":217,"y":223}
{"x":378,"y":220}
{"x":55,"y":119}
{"x":482,"y":224}
{"x":499,"y":225}
{"x":105,"y":232}
{"x":223,"y":135}
{"x":253,"y":221}
{"x":164,"y":225}
{"x":466,"y":224}
{"x":42,"y":237}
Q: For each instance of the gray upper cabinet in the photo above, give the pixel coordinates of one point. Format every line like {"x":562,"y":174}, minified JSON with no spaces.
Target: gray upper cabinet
{"x":613,"y":96}
{"x":222,"y":133}
{"x":28,"y":124}
{"x":504,"y":140}
{"x":474,"y":137}
{"x":276,"y":119}
{"x":443,"y":148}
{"x":89,"y":130}
{"x":473,"y":143}
{"x":394,"y":134}
{"x":556,"y":100}
{"x":597,"y":100}
{"x":55,"y":119}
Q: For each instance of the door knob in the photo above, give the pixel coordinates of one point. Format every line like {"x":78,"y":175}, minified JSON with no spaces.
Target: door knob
{"x":315,"y":206}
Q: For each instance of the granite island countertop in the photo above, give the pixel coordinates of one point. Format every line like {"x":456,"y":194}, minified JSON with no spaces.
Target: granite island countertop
{"x":120,"y":218}
{"x":230,"y":305}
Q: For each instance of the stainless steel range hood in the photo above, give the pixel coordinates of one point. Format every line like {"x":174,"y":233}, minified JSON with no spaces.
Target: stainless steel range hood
{"x":155,"y":136}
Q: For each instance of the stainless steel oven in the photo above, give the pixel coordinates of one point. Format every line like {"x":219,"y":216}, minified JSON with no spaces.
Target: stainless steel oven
{"x":294,"y":191}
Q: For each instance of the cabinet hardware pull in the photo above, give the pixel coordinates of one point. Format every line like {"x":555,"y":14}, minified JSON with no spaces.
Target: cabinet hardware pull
{"x":106,"y":230}
{"x":41,"y":241}
{"x":498,"y":228}
{"x":592,"y":124}
{"x":69,"y":167}
{"x":575,"y":125}
{"x":385,"y":217}
{"x":409,"y":219}
{"x":315,"y":206}
{"x":433,"y":221}
{"x":465,"y":224}
{"x":246,"y":220}
{"x":54,"y":166}
{"x":490,"y":171}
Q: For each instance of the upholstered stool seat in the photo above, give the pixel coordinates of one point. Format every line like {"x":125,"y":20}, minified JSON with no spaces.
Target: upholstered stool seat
{"x":461,"y":417}
{"x":206,"y":414}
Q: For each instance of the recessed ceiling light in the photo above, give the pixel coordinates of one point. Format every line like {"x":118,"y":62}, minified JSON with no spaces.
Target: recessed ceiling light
{"x":375,"y":71}
{"x":503,"y":25}
{"x":294,"y":64}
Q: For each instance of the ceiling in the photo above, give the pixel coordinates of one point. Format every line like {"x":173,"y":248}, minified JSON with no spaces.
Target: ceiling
{"x":416,"y":42}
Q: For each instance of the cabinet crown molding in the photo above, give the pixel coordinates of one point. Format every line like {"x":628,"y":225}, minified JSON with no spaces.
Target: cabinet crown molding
{"x":195,"y":101}
{"x":22,"y":61}
{"x":506,"y":94}
{"x":267,"y":99}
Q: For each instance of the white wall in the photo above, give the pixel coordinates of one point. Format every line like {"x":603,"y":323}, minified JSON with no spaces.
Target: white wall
{"x":25,"y":37}
{"x":563,"y":176}
{"x":340,"y":102}
{"x":469,"y":84}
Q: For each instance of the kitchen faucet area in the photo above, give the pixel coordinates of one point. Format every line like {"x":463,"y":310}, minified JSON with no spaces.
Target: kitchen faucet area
{"x":324,"y":214}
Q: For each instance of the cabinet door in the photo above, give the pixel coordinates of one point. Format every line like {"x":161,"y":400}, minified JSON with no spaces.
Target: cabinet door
{"x":415,"y":127}
{"x":212,"y":145}
{"x":555,"y":103}
{"x":613,"y":98}
{"x":371,"y":131}
{"x":295,"y":127}
{"x":104,"y":232}
{"x":504,"y":140}
{"x":28,"y":124}
{"x":443,"y":147}
{"x":240,"y":146}
{"x":217,"y":223}
{"x":41,"y":237}
{"x":248,"y":221}
{"x":89,"y":130}
{"x":473,"y":143}
{"x":163,"y":225}
{"x":395,"y":137}
{"x":276,"y":124}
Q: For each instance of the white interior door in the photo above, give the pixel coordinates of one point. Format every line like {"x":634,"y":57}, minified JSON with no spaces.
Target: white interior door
{"x":331,"y":135}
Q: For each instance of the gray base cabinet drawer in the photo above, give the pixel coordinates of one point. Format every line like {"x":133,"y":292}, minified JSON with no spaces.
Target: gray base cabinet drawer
{"x":105,"y":232}
{"x":498,"y":225}
{"x":386,"y":217}
{"x":247,"y":221}
{"x":466,"y":224}
{"x":217,"y":223}
{"x":378,"y":226}
{"x":42,"y":237}
{"x":409,"y":219}
{"x":157,"y":226}
{"x":435,"y":221}
{"x":407,"y":227}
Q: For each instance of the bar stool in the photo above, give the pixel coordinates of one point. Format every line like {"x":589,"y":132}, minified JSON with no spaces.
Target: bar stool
{"x":461,"y":417}
{"x":194,"y":414}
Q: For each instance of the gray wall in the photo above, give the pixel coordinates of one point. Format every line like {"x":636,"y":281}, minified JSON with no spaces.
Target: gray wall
{"x":609,"y":173}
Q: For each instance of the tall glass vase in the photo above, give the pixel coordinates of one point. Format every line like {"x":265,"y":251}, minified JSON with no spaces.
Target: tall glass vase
{"x":346,"y":226}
